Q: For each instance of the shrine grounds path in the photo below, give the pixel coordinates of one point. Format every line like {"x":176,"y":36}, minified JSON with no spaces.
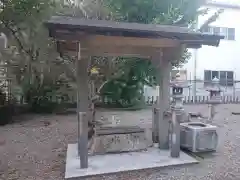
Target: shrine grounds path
{"x":35,"y":148}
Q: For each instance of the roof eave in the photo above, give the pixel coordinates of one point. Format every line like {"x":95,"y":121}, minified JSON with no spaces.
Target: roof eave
{"x":195,"y":44}
{"x":191,"y":39}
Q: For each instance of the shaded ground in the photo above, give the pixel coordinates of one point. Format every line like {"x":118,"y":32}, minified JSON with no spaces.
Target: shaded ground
{"x":35,"y":149}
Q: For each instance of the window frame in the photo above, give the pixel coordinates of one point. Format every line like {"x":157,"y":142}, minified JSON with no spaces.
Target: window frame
{"x":223,"y":80}
{"x":231,"y":37}
{"x":223,"y":31}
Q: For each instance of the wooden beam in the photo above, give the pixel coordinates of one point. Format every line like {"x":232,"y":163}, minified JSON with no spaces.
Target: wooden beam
{"x":102,"y":40}
{"x":112,"y":54}
{"x":99,"y":40}
{"x":114,"y":51}
{"x":126,"y":51}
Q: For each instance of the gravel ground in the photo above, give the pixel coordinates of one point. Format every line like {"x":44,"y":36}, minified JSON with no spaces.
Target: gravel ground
{"x":34,"y":149}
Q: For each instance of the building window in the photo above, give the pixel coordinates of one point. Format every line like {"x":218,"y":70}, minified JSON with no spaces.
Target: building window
{"x":207,"y":77}
{"x":228,"y":33}
{"x":230,"y":78}
{"x":215,"y":74}
{"x":216,"y":30}
{"x":223,"y":32}
{"x":223,"y":78}
{"x":226,"y":78}
{"x":231,"y":34}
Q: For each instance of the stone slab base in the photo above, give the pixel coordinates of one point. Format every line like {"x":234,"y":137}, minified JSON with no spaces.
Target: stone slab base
{"x":113,"y":163}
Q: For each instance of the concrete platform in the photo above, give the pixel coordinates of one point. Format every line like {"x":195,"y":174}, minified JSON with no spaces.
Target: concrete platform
{"x":113,"y":163}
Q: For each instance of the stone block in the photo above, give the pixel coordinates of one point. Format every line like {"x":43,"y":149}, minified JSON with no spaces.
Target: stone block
{"x":199,"y":137}
{"x":119,"y":141}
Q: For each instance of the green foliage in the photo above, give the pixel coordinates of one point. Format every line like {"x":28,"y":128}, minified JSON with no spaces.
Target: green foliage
{"x":6,"y":109}
{"x":6,"y":114}
{"x":22,"y":22}
{"x":44,"y":97}
{"x":31,"y":60}
{"x":135,"y":72}
{"x":34,"y":65}
{"x":125,"y":88}
{"x":171,"y":12}
{"x":3,"y":99}
{"x":48,"y":88}
{"x":148,"y":11}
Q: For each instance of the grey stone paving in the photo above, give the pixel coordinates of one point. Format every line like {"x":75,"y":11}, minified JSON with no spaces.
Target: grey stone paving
{"x":117,"y":163}
{"x":36,"y":150}
{"x":221,"y":165}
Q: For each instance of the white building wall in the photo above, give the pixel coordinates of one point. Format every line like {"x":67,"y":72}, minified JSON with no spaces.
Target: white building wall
{"x":226,"y":57}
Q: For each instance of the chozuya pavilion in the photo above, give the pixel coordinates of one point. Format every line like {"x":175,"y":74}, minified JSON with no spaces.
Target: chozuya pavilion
{"x":161,"y":44}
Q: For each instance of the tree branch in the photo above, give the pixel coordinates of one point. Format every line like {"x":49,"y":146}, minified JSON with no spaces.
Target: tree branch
{"x":211,"y":19}
{"x":14,"y":34}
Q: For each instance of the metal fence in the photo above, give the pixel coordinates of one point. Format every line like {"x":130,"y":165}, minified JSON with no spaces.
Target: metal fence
{"x":150,"y":100}
{"x":230,"y":92}
{"x":229,"y":88}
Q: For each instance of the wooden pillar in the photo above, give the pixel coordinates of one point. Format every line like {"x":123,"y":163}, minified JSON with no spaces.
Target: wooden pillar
{"x":83,"y":102}
{"x":164,"y":102}
{"x":175,"y":134}
{"x":156,"y":58}
{"x":167,"y":67}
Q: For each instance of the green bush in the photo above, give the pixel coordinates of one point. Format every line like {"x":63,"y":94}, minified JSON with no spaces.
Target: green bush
{"x":125,"y":88}
{"x":6,"y":109}
{"x":44,"y":97}
{"x":6,"y":114}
